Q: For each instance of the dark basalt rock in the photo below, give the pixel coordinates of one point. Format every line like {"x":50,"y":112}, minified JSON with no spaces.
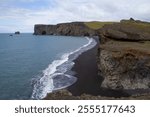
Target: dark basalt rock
{"x":68,"y":29}
{"x":124,"y":56}
{"x":66,"y":95}
{"x":17,"y":32}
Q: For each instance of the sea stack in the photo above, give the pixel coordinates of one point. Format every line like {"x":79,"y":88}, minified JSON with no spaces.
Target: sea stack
{"x":17,"y":32}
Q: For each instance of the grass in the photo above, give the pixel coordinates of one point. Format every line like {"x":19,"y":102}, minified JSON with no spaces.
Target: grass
{"x":143,"y":26}
{"x":96,"y":24}
{"x":113,"y":45}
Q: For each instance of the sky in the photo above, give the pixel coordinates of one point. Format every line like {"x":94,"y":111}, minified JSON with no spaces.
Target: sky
{"x":22,"y":15}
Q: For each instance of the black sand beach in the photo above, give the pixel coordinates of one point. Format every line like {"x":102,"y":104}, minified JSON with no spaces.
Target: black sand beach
{"x":88,"y":81}
{"x":87,"y":73}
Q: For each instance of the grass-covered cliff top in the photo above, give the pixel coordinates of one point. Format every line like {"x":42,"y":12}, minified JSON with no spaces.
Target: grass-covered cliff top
{"x":143,"y":26}
{"x":128,"y":36}
{"x":96,"y":24}
{"x":139,"y":48}
{"x":127,"y":30}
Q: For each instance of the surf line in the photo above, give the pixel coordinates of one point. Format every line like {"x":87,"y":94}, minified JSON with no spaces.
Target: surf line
{"x":54,"y":77}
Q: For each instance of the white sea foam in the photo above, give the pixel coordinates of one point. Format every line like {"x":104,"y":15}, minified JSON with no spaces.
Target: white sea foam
{"x":45,"y":83}
{"x":55,"y":76}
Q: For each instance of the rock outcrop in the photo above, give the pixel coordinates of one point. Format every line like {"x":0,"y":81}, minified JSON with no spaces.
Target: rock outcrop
{"x":17,"y":33}
{"x":124,"y":55}
{"x":67,"y":29}
{"x":66,"y":95}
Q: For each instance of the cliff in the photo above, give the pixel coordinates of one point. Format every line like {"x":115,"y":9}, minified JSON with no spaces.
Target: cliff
{"x":68,"y":29}
{"x":124,"y":55}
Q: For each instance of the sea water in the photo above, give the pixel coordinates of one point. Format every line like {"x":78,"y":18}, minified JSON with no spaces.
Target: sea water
{"x":32,"y":66}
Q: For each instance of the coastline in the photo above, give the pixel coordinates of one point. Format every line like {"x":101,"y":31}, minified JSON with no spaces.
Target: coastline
{"x":88,"y":84}
{"x":123,"y":61}
{"x":88,"y":81}
{"x":62,"y":75}
{"x":86,"y":71}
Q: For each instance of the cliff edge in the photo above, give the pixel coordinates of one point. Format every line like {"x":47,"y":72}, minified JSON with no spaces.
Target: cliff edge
{"x":67,"y":29}
{"x":124,"y":55}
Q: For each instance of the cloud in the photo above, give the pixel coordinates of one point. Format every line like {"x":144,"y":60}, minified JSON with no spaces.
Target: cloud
{"x":105,"y":9}
{"x":23,"y":14}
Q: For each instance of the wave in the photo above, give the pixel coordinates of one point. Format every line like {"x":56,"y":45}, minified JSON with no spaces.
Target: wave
{"x":57,"y":76}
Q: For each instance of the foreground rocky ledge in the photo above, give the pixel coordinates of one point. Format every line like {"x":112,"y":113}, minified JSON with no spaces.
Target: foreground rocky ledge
{"x":66,"y":95}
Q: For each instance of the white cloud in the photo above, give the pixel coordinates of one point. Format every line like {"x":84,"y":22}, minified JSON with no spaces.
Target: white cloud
{"x":72,"y":10}
{"x":106,"y":9}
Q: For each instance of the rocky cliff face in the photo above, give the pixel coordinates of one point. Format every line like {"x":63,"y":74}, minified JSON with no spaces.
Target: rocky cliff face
{"x":124,"y":55}
{"x":68,"y":29}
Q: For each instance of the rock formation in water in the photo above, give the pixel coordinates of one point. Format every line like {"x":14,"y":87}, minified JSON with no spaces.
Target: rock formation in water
{"x":68,"y":29}
{"x":17,"y":33}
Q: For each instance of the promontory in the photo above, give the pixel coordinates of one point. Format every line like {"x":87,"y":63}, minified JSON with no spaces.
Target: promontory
{"x":123,"y":55}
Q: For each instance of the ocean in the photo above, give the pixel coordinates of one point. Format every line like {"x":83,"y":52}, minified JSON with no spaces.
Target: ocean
{"x":32,"y":66}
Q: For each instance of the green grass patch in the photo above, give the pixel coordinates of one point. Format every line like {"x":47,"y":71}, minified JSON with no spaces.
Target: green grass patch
{"x":143,"y":26}
{"x":96,"y":24}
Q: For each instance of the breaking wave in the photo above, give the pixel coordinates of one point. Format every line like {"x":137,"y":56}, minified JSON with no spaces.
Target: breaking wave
{"x":56,"y":75}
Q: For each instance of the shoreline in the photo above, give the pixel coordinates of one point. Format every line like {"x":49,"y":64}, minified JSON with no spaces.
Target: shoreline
{"x":63,"y":73}
{"x":88,"y":80}
{"x":86,"y":71}
{"x":88,"y":84}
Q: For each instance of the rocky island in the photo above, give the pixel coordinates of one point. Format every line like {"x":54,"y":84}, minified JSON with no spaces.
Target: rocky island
{"x":122,"y":58}
{"x":17,"y":32}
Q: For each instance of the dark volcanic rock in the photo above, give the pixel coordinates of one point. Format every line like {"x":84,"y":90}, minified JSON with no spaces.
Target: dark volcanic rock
{"x":44,"y":29}
{"x":124,"y":56}
{"x":68,"y":29}
{"x":124,"y":67}
{"x":17,"y":32}
{"x":66,"y":95}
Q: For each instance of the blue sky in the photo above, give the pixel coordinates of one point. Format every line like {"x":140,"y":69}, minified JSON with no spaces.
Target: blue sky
{"x":23,"y":14}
